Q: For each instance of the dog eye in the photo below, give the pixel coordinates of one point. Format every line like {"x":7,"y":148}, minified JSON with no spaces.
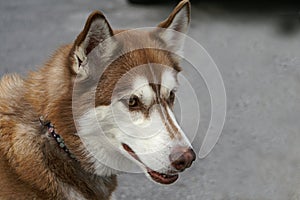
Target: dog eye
{"x":133,"y":101}
{"x":171,"y":97}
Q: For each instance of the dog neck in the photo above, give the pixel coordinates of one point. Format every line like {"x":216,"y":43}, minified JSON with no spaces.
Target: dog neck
{"x":53,"y":99}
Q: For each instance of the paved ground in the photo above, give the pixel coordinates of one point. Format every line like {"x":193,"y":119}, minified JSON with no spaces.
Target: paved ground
{"x":258,"y":53}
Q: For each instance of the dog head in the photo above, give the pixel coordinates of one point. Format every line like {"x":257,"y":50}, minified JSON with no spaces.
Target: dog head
{"x":131,"y":76}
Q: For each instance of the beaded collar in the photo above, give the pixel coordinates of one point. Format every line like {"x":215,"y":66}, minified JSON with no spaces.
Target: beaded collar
{"x":59,"y":140}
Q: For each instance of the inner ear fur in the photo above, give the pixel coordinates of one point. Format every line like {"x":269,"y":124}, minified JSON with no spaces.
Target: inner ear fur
{"x":95,"y":31}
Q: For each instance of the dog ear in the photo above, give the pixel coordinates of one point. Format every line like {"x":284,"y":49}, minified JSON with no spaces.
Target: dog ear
{"x":96,"y":30}
{"x":179,"y":21}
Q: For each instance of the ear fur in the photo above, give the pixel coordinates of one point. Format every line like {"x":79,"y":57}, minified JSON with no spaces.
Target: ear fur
{"x":179,"y":21}
{"x":96,"y":30}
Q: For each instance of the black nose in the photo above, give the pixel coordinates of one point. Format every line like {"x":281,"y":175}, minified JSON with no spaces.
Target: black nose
{"x":182,"y":158}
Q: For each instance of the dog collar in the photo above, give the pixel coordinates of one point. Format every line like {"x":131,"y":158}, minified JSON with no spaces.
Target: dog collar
{"x":59,"y":140}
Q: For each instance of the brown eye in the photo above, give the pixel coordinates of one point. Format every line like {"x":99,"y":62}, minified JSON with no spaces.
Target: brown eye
{"x":171,"y":97}
{"x":133,"y":101}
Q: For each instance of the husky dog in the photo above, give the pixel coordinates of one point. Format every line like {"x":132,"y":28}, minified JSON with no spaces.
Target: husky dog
{"x":46,"y":152}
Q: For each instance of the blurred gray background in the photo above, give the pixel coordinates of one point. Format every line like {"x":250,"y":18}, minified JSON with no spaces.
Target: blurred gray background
{"x":257,"y":49}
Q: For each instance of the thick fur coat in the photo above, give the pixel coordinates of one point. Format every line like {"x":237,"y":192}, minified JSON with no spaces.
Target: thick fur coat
{"x":31,"y":164}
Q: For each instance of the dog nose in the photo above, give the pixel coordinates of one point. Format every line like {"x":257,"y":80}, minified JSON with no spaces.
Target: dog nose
{"x":182,"y":158}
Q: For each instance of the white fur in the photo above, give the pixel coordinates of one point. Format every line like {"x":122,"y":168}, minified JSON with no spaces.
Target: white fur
{"x":142,"y":89}
{"x":168,"y":83}
{"x":71,"y":193}
{"x":100,"y":145}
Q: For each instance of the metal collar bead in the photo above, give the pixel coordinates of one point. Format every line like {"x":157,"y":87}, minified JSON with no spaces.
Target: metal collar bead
{"x":59,"y":140}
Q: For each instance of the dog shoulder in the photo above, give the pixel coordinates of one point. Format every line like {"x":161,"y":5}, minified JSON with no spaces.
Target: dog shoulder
{"x":9,"y":84}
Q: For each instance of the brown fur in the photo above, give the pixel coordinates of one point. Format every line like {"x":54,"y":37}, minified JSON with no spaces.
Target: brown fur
{"x":31,"y":164}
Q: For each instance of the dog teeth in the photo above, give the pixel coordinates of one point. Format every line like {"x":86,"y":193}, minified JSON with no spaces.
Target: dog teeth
{"x":165,"y":176}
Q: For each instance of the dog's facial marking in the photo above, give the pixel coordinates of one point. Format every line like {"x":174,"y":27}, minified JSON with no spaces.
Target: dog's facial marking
{"x":143,"y":91}
{"x":141,"y":101}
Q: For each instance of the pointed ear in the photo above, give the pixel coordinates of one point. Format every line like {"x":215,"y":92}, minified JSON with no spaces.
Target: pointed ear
{"x":96,"y":30}
{"x":179,"y":21}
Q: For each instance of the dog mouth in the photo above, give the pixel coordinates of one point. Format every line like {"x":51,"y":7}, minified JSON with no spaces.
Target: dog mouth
{"x":156,"y":176}
{"x":162,"y":178}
